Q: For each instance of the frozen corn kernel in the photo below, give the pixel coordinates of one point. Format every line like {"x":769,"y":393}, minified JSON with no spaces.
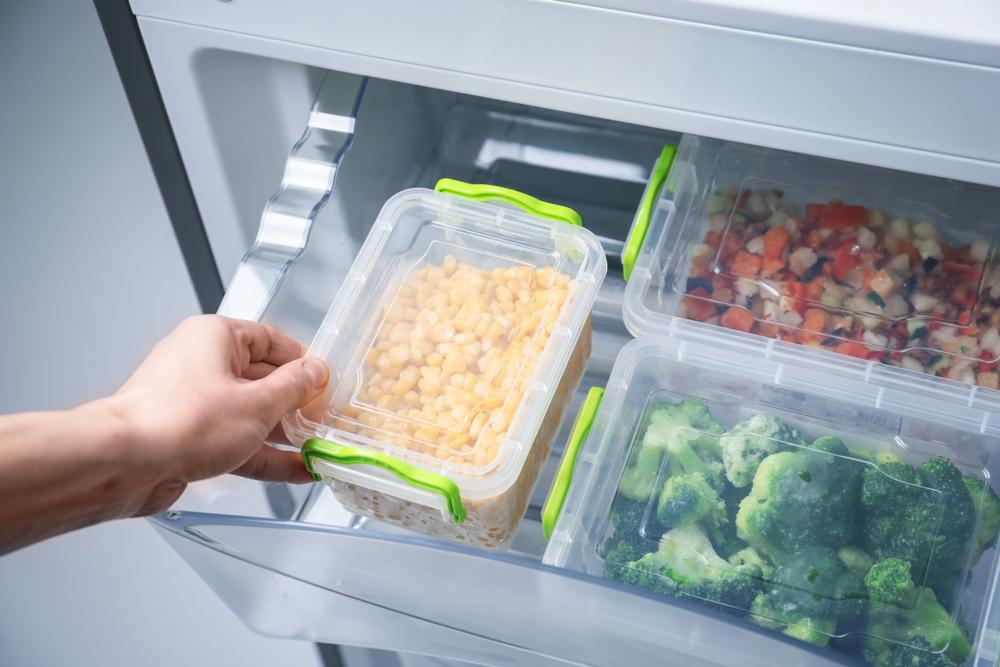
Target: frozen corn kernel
{"x":453,"y":356}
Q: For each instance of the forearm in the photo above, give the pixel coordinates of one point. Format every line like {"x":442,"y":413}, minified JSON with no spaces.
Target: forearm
{"x":65,"y":470}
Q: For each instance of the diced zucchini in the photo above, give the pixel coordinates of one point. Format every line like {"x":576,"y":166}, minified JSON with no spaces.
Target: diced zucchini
{"x":937,"y":363}
{"x":916,"y":327}
{"x":876,"y":298}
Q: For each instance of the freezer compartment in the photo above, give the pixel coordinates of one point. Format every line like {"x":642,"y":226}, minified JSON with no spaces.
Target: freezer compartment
{"x":756,"y":484}
{"x":880,"y":265}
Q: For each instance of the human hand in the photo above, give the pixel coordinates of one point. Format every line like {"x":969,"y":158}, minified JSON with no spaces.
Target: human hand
{"x":205,"y":400}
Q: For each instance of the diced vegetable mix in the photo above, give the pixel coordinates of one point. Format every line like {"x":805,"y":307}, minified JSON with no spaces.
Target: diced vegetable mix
{"x":850,"y":279}
{"x":838,"y":547}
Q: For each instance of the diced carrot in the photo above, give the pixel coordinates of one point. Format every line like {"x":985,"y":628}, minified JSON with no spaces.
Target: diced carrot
{"x":737,"y":318}
{"x":775,"y":241}
{"x":772,"y":265}
{"x":814,"y":240}
{"x":697,"y":306}
{"x":814,"y":288}
{"x":745,"y":264}
{"x":852,"y":349}
{"x":815,"y":320}
{"x":712,"y":238}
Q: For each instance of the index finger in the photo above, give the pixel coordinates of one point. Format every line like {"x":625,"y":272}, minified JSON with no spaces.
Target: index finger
{"x":266,"y":344}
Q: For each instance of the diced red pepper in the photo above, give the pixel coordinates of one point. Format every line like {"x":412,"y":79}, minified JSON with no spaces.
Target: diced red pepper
{"x":840,"y":216}
{"x":712,"y":238}
{"x":814,"y":212}
{"x":843,"y":262}
{"x":737,"y":318}
{"x":987,"y":364}
{"x":775,"y":241}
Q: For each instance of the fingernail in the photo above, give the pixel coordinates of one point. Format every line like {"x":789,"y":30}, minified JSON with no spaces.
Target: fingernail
{"x":317,"y":371}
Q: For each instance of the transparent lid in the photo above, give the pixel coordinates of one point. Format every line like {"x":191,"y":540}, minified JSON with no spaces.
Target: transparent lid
{"x":721,"y":477}
{"x":870,"y":263}
{"x":449,"y":337}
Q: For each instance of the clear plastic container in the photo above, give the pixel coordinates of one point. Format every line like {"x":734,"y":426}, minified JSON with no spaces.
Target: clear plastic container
{"x":455,"y":344}
{"x":881,"y":265}
{"x":799,"y":456}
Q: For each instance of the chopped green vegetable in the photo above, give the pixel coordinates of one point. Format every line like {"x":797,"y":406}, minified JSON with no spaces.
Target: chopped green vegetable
{"x":876,"y":298}
{"x":916,"y":327}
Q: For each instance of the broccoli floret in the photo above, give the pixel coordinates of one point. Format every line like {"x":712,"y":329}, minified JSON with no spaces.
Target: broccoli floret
{"x":686,"y":564}
{"x":812,"y":591}
{"x":626,"y":542}
{"x":639,"y":479}
{"x":856,"y":559}
{"x":806,"y":497}
{"x":889,"y":582}
{"x":686,"y":433}
{"x":748,"y":556}
{"x":988,"y":505}
{"x":925,"y":634}
{"x":687,"y":498}
{"x":917,"y":653}
{"x":689,"y":435}
{"x":746,"y":445}
{"x":922,"y":515}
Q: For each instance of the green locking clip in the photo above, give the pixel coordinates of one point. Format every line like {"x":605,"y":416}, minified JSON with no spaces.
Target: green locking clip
{"x":564,"y":477}
{"x":317,"y":448}
{"x":637,"y":235}
{"x":484,"y":192}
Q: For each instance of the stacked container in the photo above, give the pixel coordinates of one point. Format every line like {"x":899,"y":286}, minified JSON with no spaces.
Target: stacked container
{"x":734,"y":388}
{"x":455,"y":345}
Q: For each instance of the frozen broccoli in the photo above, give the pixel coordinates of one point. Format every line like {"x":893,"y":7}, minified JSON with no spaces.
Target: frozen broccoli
{"x":687,"y":498}
{"x":801,"y":498}
{"x":639,"y":481}
{"x":922,"y":515}
{"x":686,"y":563}
{"x":889,"y":582}
{"x":856,"y":559}
{"x":812,"y":592}
{"x":988,"y":505}
{"x":922,"y":635}
{"x":686,"y":433}
{"x":748,"y":556}
{"x":626,"y":541}
{"x":746,"y":445}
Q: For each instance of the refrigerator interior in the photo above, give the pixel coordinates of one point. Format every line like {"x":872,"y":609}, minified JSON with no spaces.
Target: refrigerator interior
{"x":289,"y":560}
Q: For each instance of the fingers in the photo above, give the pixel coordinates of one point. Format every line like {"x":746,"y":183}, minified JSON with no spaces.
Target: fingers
{"x":273,"y":465}
{"x":265,"y":343}
{"x":258,"y":370}
{"x":288,"y":387}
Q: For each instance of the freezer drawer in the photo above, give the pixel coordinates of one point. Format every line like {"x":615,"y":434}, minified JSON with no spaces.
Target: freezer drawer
{"x":290,"y":561}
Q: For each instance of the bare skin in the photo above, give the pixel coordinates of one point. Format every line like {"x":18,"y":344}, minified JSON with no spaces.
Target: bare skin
{"x":201,"y":404}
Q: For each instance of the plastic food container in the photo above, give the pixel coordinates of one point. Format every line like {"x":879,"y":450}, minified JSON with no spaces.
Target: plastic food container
{"x":455,"y":344}
{"x":745,"y":479}
{"x":885,"y":266}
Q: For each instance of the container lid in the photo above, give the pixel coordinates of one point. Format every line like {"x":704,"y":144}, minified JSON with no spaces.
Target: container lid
{"x":722,"y":476}
{"x":879,"y":265}
{"x":447,"y":341}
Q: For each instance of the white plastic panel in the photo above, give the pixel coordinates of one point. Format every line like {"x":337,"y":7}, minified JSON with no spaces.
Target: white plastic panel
{"x":859,"y":103}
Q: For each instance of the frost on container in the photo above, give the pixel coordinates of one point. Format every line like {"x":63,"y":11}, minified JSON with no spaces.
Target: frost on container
{"x":457,"y":355}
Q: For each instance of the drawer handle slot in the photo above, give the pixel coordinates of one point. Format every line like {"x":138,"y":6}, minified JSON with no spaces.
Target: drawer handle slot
{"x":564,"y":476}
{"x":317,"y":448}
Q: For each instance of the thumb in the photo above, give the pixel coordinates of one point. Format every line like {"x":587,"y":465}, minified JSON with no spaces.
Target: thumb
{"x":289,"y":387}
